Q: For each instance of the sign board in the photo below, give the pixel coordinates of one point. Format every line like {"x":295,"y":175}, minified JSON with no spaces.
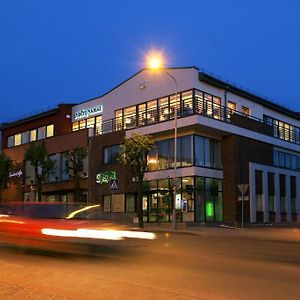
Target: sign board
{"x":105,"y":177}
{"x":17,"y":173}
{"x":85,"y":113}
{"x":243,"y":188}
{"x":114,"y":185}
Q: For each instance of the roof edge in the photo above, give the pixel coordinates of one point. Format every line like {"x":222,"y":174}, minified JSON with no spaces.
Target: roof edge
{"x":208,"y":78}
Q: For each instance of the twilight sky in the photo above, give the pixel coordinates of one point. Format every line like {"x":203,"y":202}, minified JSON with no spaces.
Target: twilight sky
{"x":68,"y":51}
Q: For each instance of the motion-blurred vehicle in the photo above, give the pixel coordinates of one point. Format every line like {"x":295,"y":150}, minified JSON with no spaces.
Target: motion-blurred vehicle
{"x":54,"y":225}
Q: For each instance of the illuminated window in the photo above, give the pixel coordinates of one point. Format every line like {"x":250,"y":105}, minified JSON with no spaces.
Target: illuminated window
{"x":41,"y":133}
{"x":99,"y":125}
{"x":172,"y":105}
{"x":82,"y":124}
{"x":75,"y":126}
{"x":18,"y":139}
{"x":151,"y":112}
{"x":187,"y":103}
{"x":119,"y":119}
{"x":163,"y":105}
{"x":50,"y":130}
{"x":32,"y":135}
{"x":130,"y":117}
{"x":90,"y":122}
{"x":208,"y":104}
{"x":246,"y":111}
{"x":216,"y":107}
{"x":231,"y":106}
{"x":142,"y":114}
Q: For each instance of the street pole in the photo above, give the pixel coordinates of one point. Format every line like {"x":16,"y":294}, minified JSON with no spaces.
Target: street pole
{"x":243,"y":210}
{"x":174,"y":215}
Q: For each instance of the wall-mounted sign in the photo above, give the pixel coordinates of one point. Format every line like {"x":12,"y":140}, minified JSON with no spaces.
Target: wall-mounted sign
{"x":105,"y":177}
{"x":85,"y":113}
{"x":17,"y":173}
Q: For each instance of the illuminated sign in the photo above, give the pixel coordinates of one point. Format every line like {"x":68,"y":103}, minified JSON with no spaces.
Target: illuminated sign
{"x":105,"y":177}
{"x":85,"y":113}
{"x":18,"y":173}
{"x":209,"y":209}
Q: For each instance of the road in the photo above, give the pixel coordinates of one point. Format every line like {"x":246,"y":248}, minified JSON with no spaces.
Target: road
{"x":210,"y":264}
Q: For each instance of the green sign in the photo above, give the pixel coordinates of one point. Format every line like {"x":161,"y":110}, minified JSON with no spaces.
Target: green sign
{"x":105,"y":177}
{"x":209,"y":209}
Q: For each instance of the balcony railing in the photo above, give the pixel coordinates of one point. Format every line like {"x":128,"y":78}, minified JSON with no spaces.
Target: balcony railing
{"x":198,"y":106}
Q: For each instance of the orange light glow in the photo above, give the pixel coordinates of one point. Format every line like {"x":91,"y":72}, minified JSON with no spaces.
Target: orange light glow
{"x":155,"y":61}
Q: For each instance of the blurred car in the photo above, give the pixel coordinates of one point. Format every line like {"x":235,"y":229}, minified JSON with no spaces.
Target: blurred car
{"x":55,"y":224}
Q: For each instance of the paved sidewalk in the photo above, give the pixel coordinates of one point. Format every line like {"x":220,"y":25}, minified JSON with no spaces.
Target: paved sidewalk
{"x":291,"y":234}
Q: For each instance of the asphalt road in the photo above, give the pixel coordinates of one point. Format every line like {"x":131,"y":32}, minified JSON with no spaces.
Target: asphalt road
{"x":208,"y":264}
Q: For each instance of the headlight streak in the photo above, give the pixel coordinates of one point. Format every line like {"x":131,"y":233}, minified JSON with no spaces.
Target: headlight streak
{"x":99,"y":234}
{"x":74,"y":213}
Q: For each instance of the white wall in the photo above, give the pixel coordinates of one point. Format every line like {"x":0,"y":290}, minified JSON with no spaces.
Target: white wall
{"x":158,"y":84}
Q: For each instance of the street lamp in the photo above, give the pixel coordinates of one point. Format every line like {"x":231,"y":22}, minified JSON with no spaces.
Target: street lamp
{"x":155,"y":62}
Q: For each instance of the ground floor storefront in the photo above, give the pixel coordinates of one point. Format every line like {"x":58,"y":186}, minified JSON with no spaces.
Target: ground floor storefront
{"x":198,"y":199}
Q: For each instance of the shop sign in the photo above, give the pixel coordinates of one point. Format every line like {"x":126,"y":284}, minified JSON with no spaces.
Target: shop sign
{"x":85,"y":113}
{"x":105,"y":177}
{"x":17,"y":173}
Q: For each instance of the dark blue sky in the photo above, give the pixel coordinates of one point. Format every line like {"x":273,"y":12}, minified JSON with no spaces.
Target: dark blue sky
{"x":69,"y":51}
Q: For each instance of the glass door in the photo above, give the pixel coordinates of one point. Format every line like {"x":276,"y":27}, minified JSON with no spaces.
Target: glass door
{"x":153,"y":207}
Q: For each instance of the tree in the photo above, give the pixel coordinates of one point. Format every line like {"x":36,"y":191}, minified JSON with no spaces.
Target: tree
{"x":37,"y":155}
{"x":133,"y":154}
{"x":5,"y":167}
{"x":76,"y":158}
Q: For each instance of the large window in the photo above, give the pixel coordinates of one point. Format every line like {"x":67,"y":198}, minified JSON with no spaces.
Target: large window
{"x":41,"y":133}
{"x":18,"y":139}
{"x":207,"y":153}
{"x":286,"y":160}
{"x":283,"y":130}
{"x":33,"y":135}
{"x":93,"y":122}
{"x":198,"y":199}
{"x":111,"y":154}
{"x":50,"y":130}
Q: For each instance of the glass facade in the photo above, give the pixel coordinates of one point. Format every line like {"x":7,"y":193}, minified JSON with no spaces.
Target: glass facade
{"x":93,"y":122}
{"x":198,"y":199}
{"x":286,"y":160}
{"x":283,"y":130}
{"x":191,"y":150}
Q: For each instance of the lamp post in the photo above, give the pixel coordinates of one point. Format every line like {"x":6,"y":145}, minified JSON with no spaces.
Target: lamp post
{"x":156,"y":63}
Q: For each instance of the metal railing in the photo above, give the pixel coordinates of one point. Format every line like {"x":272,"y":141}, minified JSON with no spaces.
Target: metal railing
{"x":192,"y":106}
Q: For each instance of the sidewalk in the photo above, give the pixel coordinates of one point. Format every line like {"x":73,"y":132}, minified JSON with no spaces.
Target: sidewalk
{"x":284,"y":233}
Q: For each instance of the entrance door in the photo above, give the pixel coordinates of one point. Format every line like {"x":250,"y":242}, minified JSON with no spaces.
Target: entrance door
{"x":164,"y":204}
{"x":153,"y":207}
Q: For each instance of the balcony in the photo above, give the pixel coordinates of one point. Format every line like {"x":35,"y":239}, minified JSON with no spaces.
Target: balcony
{"x":198,"y":105}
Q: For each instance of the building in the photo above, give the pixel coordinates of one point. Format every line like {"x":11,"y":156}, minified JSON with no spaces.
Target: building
{"x":238,"y":154}
{"x":54,"y":128}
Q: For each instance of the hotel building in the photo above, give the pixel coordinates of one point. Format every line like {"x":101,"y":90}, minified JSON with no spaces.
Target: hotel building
{"x":238,"y":154}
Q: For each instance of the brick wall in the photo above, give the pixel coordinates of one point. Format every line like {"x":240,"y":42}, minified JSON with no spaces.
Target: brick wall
{"x":237,"y":152}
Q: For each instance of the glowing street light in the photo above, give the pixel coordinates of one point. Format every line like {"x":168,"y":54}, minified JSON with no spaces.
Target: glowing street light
{"x":155,"y":62}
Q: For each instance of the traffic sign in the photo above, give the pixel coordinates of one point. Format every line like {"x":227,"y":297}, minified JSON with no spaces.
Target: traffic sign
{"x":243,"y":188}
{"x":114,"y":185}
